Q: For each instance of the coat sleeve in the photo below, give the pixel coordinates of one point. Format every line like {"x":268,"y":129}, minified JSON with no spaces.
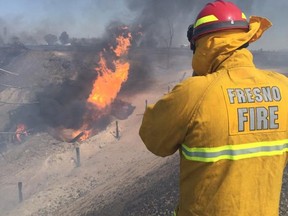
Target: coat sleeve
{"x":165,"y":124}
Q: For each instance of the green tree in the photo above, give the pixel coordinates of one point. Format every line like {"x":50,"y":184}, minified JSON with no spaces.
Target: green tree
{"x":51,"y":39}
{"x":64,"y":38}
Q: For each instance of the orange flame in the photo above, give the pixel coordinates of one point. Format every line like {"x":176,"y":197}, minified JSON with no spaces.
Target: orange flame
{"x":20,"y":130}
{"x":123,"y":45}
{"x":105,"y":88}
{"x":86,"y":134}
{"x":109,"y":82}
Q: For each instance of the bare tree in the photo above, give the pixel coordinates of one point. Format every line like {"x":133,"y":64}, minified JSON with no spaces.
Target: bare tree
{"x":169,"y":39}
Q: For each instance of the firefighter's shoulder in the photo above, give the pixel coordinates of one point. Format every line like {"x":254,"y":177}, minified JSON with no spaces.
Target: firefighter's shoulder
{"x":198,"y":83}
{"x":281,"y":77}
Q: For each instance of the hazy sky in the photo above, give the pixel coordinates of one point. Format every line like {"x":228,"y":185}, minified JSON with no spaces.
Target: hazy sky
{"x":80,"y":18}
{"x":88,"y":18}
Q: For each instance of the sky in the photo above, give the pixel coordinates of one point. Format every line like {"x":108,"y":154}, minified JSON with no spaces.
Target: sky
{"x":88,"y":18}
{"x":79,"y":18}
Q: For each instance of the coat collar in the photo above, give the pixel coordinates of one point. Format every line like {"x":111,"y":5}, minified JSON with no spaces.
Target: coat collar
{"x":222,"y":48}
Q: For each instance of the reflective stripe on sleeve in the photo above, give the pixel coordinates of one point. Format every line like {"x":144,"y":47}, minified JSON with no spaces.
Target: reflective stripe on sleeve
{"x":235,"y":152}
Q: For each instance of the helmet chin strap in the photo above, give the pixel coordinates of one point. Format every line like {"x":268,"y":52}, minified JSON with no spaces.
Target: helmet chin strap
{"x":192,"y":47}
{"x":243,"y":46}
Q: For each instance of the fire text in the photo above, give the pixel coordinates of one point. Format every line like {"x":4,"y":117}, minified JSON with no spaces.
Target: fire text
{"x":254,"y":109}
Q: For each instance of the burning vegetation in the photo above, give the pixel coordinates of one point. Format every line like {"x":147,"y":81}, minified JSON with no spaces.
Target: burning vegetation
{"x":85,"y":102}
{"x":112,"y":72}
{"x":21,"y":131}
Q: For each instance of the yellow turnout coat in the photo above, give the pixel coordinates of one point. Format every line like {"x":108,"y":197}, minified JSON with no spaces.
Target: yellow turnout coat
{"x":230,"y":126}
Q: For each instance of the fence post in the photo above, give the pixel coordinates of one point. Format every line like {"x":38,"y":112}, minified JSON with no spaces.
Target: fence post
{"x":117,"y":130}
{"x":20,"y":192}
{"x":77,"y":156}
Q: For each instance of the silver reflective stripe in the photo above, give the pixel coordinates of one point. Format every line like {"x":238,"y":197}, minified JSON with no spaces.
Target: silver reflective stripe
{"x":235,"y":152}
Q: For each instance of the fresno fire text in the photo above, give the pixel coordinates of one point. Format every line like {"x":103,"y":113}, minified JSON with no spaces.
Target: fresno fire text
{"x":254,"y":113}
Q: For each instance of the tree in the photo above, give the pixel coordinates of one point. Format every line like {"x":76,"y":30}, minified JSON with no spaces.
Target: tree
{"x":169,"y":39}
{"x":16,"y":46}
{"x":50,"y":39}
{"x":64,"y":38}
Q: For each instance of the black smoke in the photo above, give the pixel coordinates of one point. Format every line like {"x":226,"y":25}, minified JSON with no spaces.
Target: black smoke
{"x":249,"y":6}
{"x":158,"y":17}
{"x":64,"y":103}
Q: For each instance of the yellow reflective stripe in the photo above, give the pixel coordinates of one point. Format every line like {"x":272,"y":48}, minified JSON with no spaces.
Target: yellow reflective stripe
{"x":206,"y":19}
{"x":244,"y":16}
{"x":174,"y":213}
{"x":233,"y":157}
{"x":236,"y":152}
{"x":238,"y":146}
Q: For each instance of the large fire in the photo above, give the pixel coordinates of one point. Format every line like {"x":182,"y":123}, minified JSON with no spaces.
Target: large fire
{"x":108,"y":83}
{"x":110,"y":77}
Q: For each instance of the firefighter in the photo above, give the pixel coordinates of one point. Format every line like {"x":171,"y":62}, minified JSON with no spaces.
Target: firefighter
{"x":228,"y":121}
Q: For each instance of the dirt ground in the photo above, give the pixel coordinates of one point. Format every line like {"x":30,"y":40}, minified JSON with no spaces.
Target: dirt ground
{"x":157,"y":196}
{"x":47,"y":168}
{"x":116,"y":176}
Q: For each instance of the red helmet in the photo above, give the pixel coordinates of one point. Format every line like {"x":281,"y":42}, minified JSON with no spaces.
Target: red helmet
{"x":216,"y":16}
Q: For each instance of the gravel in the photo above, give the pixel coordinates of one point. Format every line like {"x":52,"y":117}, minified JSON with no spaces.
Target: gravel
{"x":157,"y":197}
